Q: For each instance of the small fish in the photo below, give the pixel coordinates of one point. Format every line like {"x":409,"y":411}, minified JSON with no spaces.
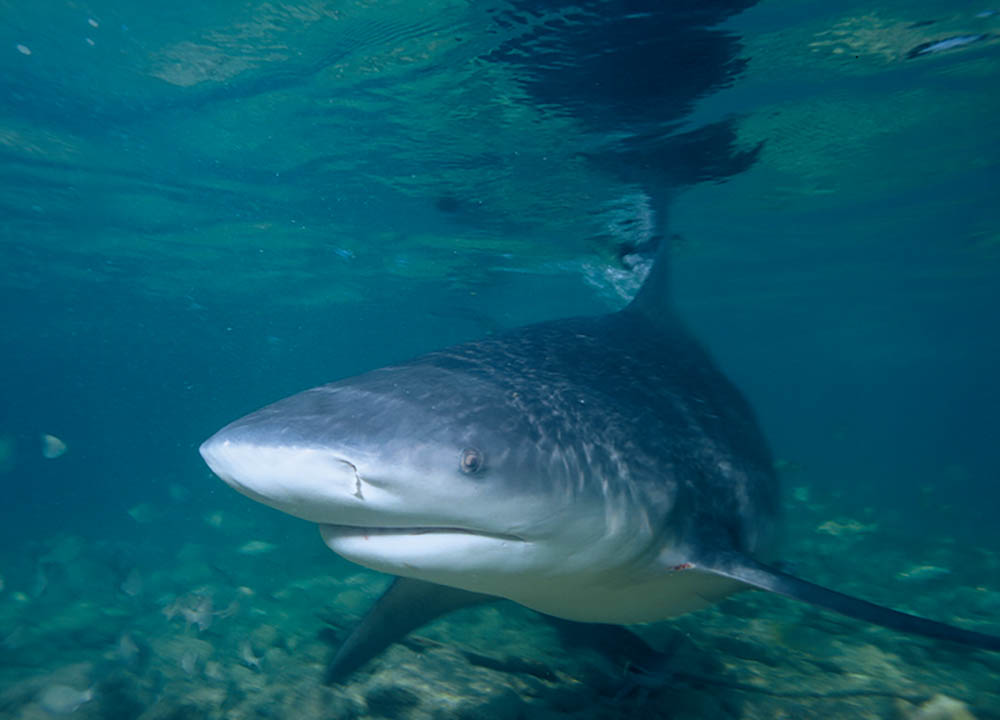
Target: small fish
{"x":128,"y":651}
{"x":198,"y":612}
{"x":257,"y":547}
{"x":63,"y":550}
{"x":144,"y":513}
{"x":846,"y":526}
{"x":132,"y":585}
{"x":196,"y":609}
{"x":14,"y":639}
{"x":41,"y":583}
{"x":936,"y":46}
{"x":247,"y":656}
{"x":52,"y":447}
{"x":172,"y":610}
{"x":228,"y":611}
{"x":189,"y":662}
{"x":919,"y":573}
{"x":787,"y":466}
{"x":63,"y":699}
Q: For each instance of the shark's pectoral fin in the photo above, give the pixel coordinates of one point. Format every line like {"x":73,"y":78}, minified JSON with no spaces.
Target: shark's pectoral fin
{"x":748,"y":571}
{"x":404,"y":607}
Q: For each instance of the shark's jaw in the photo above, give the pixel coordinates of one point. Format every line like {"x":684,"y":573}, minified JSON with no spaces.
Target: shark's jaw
{"x":437,"y":554}
{"x":336,"y":533}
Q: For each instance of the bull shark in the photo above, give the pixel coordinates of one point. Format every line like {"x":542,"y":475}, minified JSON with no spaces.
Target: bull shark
{"x":595,"y":469}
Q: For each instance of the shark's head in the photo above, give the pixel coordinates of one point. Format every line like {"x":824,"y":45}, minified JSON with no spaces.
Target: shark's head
{"x":429,"y":472}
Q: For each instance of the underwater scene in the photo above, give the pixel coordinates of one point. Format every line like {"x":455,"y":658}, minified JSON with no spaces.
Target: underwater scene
{"x":753,"y":441}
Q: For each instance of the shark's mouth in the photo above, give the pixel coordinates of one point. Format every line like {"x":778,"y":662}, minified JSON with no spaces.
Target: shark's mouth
{"x":438,"y":554}
{"x":344,"y":531}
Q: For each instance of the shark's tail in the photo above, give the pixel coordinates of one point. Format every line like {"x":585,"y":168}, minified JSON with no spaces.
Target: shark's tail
{"x":750,"y":572}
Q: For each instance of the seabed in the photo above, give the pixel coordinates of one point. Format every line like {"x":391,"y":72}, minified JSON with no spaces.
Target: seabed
{"x":242,"y":623}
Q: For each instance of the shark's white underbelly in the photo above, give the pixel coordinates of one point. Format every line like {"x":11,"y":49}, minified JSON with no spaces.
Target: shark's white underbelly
{"x":595,"y":588}
{"x":582,"y":599}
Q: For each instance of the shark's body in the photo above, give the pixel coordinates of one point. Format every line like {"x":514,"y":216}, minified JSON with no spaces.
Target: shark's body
{"x":595,"y":469}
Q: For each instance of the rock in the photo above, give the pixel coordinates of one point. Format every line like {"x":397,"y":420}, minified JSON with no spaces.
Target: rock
{"x":391,"y":701}
{"x":939,"y":707}
{"x":503,"y":705}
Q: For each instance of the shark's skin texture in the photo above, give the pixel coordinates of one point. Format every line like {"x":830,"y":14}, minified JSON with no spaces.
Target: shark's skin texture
{"x":596,"y":469}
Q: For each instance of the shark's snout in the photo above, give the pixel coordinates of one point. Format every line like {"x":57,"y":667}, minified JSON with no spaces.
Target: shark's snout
{"x":211,"y":453}
{"x":238,"y":464}
{"x":309,"y":482}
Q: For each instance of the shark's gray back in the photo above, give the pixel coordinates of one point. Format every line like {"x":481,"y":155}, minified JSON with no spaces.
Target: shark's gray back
{"x":643,"y":405}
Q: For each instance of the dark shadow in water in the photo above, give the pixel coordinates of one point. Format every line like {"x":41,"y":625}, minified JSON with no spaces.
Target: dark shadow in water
{"x":634,"y":70}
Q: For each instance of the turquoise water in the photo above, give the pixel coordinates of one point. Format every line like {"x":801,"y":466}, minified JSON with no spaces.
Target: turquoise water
{"x":206,"y":207}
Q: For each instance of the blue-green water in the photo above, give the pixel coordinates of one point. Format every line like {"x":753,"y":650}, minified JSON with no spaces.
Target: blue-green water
{"x":206,"y":207}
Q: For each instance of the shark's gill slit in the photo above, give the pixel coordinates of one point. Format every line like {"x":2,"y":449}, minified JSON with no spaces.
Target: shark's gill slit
{"x":357,"y":478}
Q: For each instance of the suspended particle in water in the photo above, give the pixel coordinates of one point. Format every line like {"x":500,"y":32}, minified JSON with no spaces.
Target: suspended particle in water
{"x":24,"y":49}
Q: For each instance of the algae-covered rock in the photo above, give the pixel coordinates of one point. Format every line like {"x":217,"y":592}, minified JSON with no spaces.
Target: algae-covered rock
{"x":64,"y":699}
{"x":502,"y":705}
{"x":391,"y":700}
{"x":939,"y":707}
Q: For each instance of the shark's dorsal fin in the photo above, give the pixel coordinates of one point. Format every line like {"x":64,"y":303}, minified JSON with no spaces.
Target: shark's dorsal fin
{"x":405,"y":606}
{"x":755,"y":574}
{"x":653,"y":299}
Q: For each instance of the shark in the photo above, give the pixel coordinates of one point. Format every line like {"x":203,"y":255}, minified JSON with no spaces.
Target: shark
{"x":597,"y":469}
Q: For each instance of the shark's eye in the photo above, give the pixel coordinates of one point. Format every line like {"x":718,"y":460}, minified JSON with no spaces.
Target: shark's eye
{"x":472,"y":461}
